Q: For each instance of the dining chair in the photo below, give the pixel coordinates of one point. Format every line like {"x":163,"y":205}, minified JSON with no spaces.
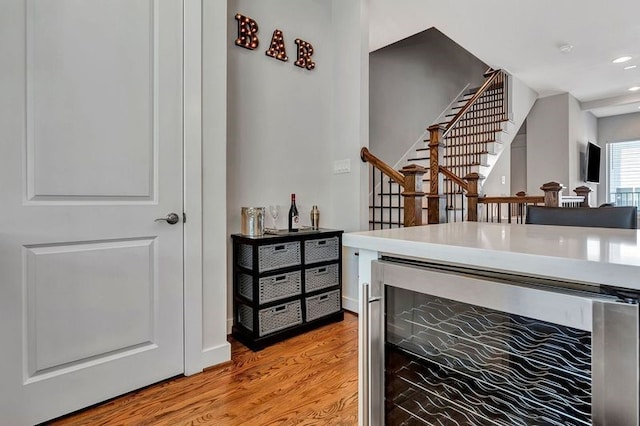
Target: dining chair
{"x":610,"y":217}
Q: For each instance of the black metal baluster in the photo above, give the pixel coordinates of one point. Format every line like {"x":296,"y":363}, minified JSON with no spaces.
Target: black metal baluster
{"x":390,"y":204}
{"x":400,"y":223}
{"x":373,"y":197}
{"x":381,"y":201}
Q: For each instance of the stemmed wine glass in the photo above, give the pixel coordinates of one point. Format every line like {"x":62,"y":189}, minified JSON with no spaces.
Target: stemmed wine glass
{"x":274,"y":211}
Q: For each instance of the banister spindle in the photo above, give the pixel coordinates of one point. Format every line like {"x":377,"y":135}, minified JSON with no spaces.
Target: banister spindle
{"x":436,"y":212}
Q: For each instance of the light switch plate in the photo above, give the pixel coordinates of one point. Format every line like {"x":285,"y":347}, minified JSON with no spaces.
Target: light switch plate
{"x":342,"y":166}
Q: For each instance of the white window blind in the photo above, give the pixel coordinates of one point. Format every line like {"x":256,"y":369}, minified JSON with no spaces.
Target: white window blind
{"x":623,"y":170}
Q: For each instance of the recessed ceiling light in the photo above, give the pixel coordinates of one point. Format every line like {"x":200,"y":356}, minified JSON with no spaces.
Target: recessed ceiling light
{"x":634,"y":88}
{"x":630,"y":67}
{"x":566,"y":48}
{"x":621,"y":59}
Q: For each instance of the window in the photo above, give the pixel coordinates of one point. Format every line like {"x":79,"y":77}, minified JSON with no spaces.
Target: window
{"x":623,"y":170}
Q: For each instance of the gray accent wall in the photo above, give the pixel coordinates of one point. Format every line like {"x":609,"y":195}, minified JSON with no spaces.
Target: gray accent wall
{"x":411,"y":84}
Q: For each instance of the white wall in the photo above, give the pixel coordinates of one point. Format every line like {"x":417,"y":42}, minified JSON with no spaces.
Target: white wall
{"x":287,"y":125}
{"x":500,"y":172}
{"x":547,"y":140}
{"x":619,"y":128}
{"x":518,"y":167}
{"x":411,"y":83}
{"x":350,"y":130}
{"x":575,"y":144}
{"x":586,"y":130}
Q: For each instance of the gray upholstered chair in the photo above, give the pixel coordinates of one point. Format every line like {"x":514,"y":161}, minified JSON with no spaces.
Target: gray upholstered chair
{"x":611,"y":217}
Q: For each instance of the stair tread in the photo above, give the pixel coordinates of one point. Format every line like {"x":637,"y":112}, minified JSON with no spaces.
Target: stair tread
{"x":474,"y":124}
{"x":480,"y":101}
{"x":497,"y":124}
{"x":493,"y":86}
{"x":476,"y":133}
{"x":497,"y":114}
{"x":473,"y":90}
{"x":472,"y":164}
{"x":463,"y":144}
{"x":493,"y":96}
{"x":449,"y":155}
{"x":426,"y":141}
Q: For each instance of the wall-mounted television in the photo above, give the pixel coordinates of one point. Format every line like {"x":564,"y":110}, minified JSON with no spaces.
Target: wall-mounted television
{"x":592,"y":163}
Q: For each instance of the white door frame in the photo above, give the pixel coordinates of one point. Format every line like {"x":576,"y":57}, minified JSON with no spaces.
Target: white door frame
{"x":192,"y":145}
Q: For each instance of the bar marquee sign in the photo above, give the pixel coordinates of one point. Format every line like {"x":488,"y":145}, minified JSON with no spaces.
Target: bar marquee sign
{"x":247,"y":38}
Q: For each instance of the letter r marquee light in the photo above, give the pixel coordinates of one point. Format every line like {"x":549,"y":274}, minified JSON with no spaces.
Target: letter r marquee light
{"x":247,"y":38}
{"x":305,"y":50}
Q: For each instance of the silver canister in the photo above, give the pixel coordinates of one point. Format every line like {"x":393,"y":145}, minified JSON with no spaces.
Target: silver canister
{"x":252,"y":221}
{"x":315,"y":218}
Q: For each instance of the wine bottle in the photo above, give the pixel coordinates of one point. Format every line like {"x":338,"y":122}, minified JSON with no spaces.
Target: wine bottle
{"x":294,"y":218}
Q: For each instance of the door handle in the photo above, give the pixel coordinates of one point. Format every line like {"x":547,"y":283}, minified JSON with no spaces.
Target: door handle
{"x":171,"y":219}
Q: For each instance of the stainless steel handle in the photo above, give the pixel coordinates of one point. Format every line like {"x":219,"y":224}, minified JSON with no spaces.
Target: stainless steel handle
{"x":171,"y":219}
{"x":364,"y":351}
{"x":370,"y":367}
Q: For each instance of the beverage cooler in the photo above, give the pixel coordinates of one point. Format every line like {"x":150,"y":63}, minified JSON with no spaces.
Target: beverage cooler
{"x":449,"y":346}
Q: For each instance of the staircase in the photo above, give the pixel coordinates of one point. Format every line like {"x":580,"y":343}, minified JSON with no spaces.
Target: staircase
{"x":473,"y":134}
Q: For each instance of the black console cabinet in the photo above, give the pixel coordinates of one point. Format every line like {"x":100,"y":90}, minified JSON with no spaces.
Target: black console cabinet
{"x":285,"y":284}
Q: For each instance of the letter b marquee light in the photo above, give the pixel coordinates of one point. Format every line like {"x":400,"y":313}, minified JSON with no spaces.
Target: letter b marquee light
{"x":247,"y":30}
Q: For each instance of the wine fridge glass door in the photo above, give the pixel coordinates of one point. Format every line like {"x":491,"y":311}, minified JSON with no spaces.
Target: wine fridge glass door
{"x":452,"y":348}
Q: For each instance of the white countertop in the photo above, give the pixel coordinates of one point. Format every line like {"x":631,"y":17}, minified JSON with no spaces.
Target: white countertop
{"x":586,"y":255}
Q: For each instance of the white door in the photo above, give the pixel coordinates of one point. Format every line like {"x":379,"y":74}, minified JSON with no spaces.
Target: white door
{"x":90,"y":154}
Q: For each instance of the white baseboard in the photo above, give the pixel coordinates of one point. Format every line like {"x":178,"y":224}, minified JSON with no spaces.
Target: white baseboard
{"x":350,"y":304}
{"x":216,"y":355}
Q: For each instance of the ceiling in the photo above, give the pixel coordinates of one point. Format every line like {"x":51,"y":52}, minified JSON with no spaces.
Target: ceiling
{"x":524,"y":38}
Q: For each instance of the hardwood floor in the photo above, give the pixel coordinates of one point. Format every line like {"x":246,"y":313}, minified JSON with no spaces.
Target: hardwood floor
{"x":310,"y":379}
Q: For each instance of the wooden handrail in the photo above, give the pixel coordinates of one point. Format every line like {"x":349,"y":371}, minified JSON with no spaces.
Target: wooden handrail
{"x":454,"y":178}
{"x":527,"y":199}
{"x":471,"y":101}
{"x":367,"y":156}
